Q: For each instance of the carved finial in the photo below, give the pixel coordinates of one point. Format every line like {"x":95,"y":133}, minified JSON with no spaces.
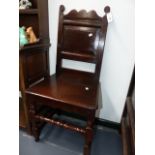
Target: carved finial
{"x":62,"y":8}
{"x":107,"y":9}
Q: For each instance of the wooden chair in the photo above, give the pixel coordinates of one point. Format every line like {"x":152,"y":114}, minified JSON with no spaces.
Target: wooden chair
{"x":81,"y":37}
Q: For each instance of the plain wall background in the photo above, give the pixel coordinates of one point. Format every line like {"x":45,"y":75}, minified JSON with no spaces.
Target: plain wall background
{"x":118,"y":58}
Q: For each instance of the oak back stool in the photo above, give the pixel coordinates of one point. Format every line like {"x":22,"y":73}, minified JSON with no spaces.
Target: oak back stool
{"x":81,"y":37}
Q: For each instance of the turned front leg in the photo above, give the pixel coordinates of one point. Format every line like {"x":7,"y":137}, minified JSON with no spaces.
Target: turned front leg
{"x":34,"y":122}
{"x":89,"y":135}
{"x":88,"y":141}
{"x":35,"y":131}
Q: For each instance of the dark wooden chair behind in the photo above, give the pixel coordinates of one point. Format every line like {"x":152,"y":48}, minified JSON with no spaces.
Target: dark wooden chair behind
{"x":81,"y":37}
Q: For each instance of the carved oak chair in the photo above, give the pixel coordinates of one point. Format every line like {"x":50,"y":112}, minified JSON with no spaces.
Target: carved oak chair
{"x":81,"y":37}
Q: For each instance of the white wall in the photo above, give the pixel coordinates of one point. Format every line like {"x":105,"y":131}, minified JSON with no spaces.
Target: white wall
{"x":118,"y":59}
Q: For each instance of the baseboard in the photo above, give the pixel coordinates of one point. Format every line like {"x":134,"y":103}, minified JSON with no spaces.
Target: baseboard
{"x":107,"y":123}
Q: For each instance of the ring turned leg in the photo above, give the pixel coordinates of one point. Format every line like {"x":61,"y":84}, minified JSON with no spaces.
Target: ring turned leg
{"x":88,"y":140}
{"x":35,"y":131}
{"x":89,"y":135}
{"x":34,"y":123}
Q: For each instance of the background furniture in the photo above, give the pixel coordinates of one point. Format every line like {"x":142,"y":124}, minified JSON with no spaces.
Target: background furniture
{"x":33,"y":59}
{"x":128,"y":121}
{"x":81,"y":37}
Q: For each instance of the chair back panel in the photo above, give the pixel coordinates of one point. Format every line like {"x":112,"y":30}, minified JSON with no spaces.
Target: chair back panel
{"x":81,"y":37}
{"x":74,"y":37}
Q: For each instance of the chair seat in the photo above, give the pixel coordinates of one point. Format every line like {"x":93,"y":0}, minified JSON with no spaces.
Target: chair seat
{"x":74,"y":88}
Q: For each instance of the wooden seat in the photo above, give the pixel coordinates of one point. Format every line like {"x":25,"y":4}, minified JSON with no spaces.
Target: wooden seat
{"x":81,"y":37}
{"x":66,"y":88}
